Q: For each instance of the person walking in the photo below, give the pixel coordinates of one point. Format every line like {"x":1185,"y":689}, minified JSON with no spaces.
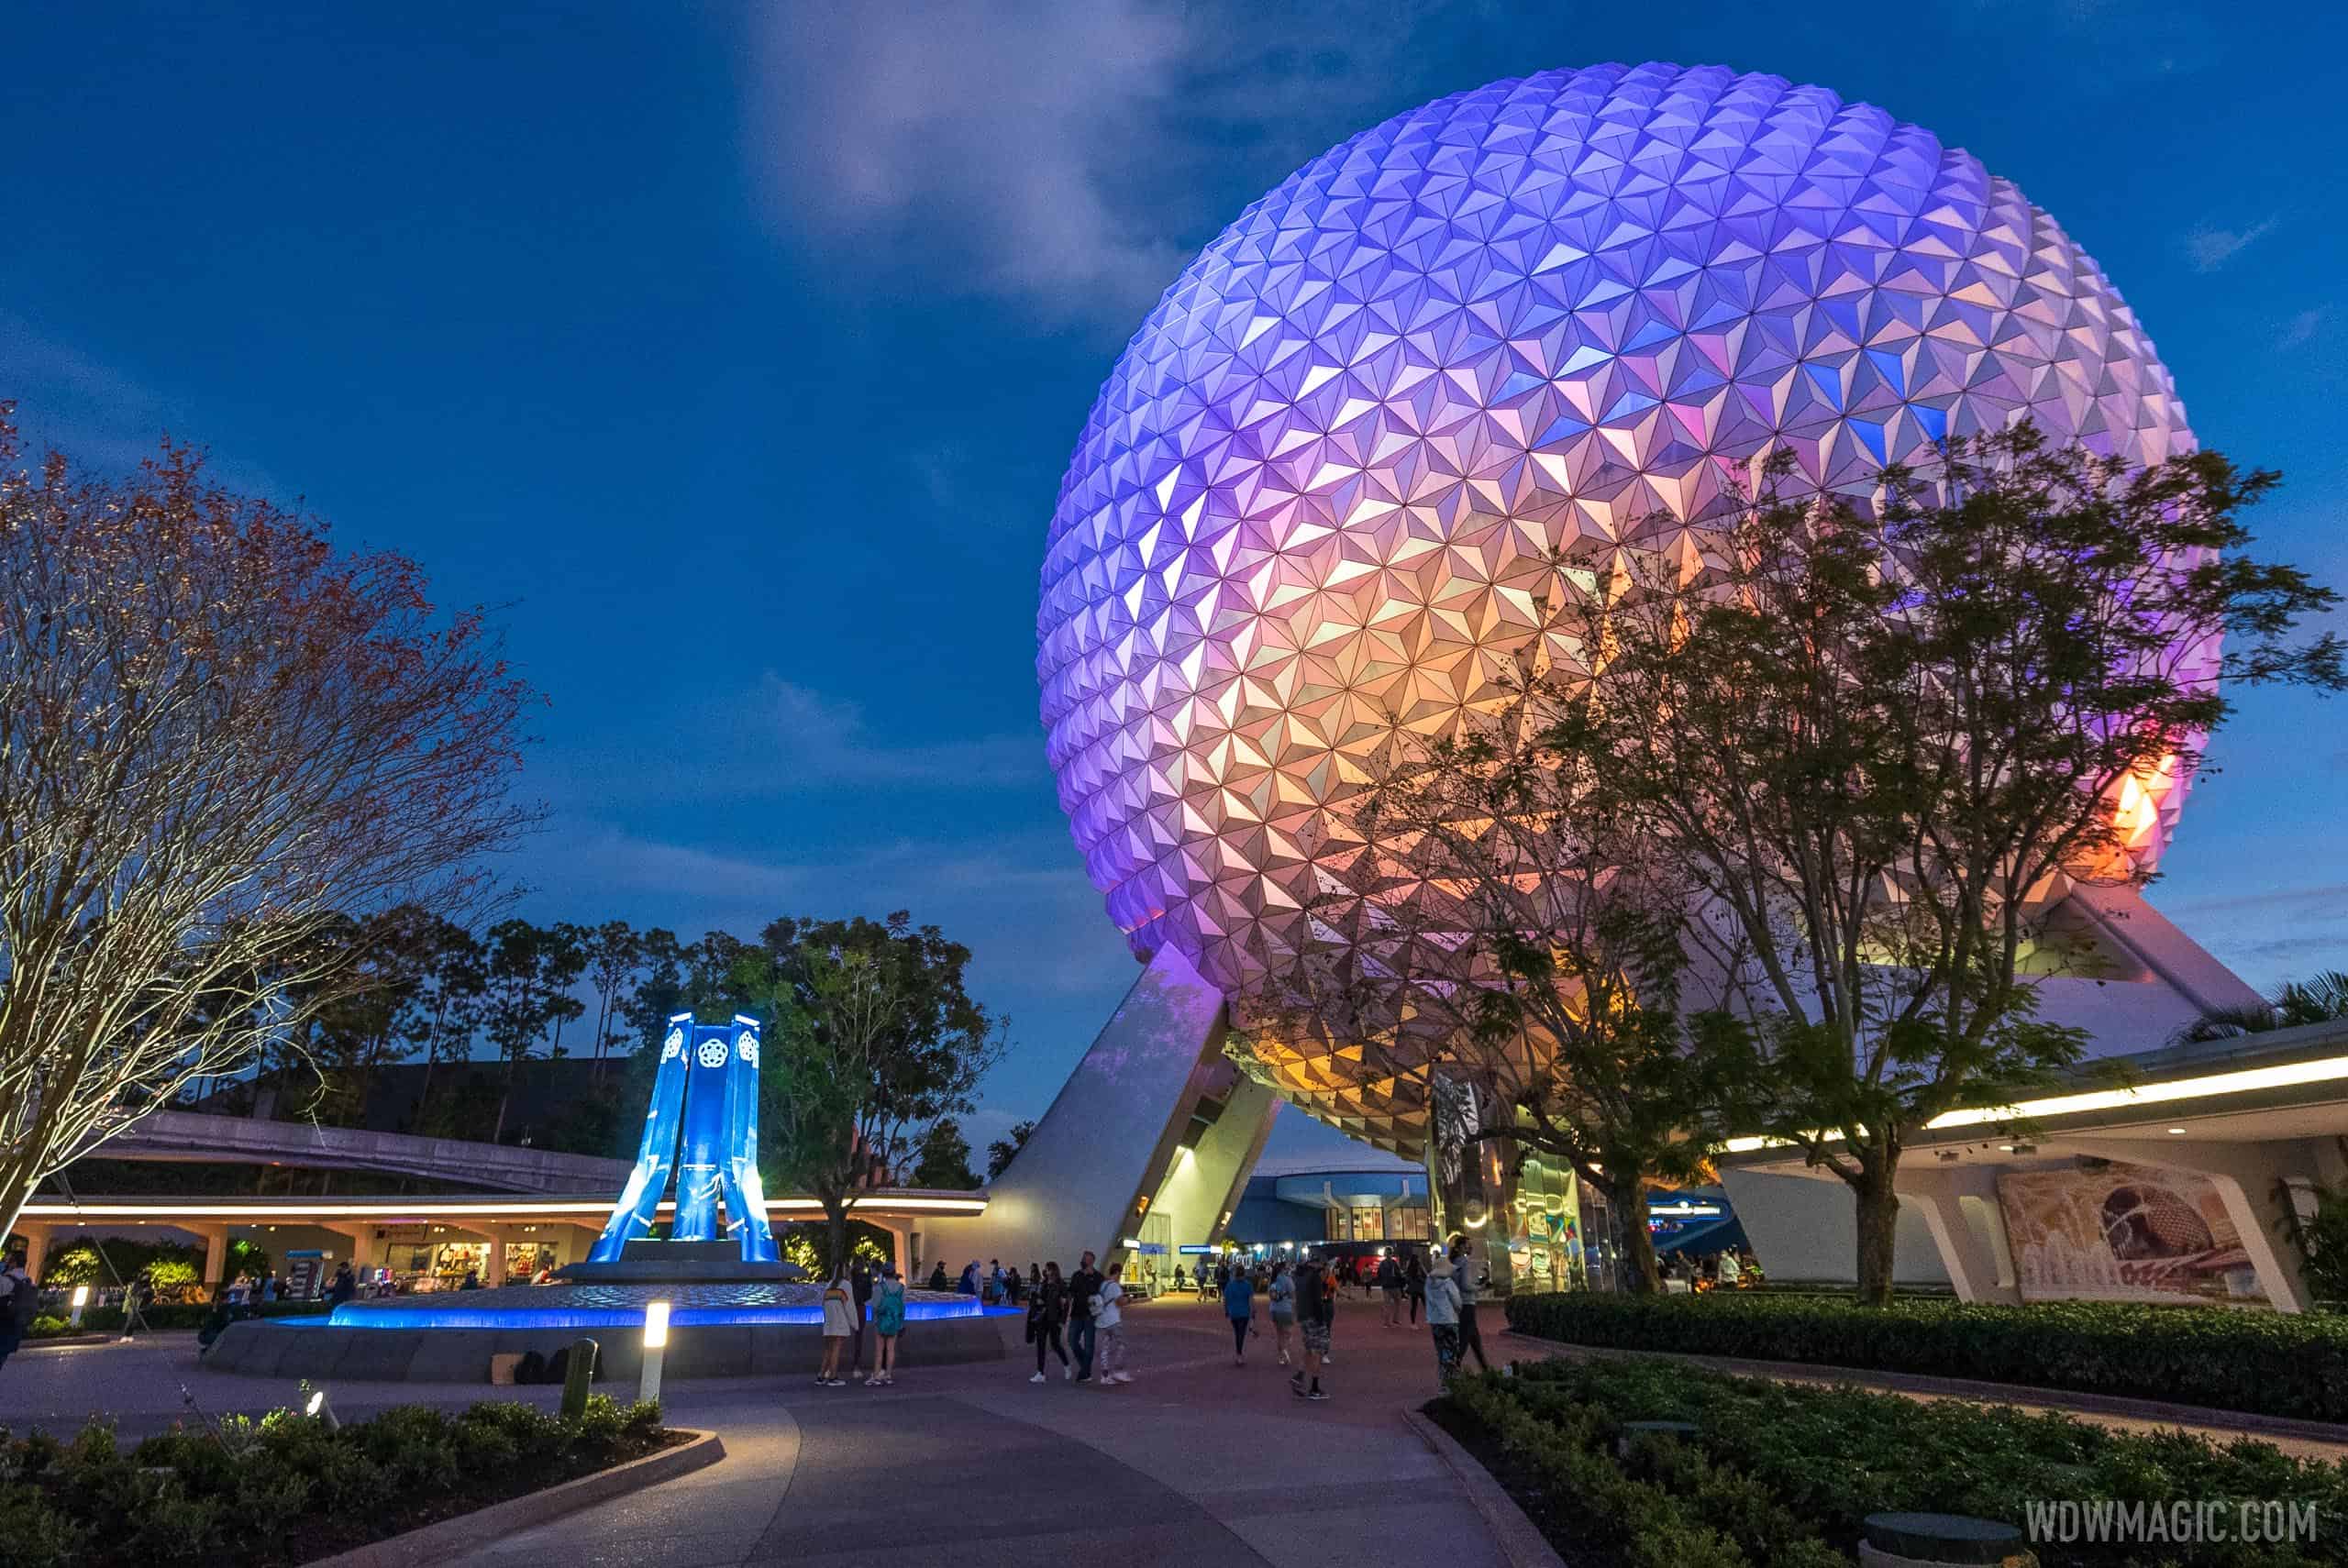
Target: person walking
{"x":1315,"y":1308}
{"x":887,"y":1322}
{"x":1443,"y":1318}
{"x":840,"y":1306}
{"x":1390,"y":1285}
{"x":1239,"y":1305}
{"x":1109,"y":1322}
{"x":1083,"y":1332}
{"x":1414,"y":1282}
{"x":1464,"y":1277}
{"x":345,"y":1286}
{"x":1280,"y":1307}
{"x":1731,"y":1270}
{"x":1047,"y":1310}
{"x":19,"y":1304}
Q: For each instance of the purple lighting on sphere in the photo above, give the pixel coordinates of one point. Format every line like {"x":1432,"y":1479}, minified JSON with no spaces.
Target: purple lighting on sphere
{"x":1316,"y":495}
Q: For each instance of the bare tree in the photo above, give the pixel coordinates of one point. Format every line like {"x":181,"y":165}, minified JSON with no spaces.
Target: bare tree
{"x":216,"y":732}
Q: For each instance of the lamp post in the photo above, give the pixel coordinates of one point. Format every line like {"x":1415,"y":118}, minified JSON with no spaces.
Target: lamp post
{"x":656,"y":1343}
{"x":81,"y":1300}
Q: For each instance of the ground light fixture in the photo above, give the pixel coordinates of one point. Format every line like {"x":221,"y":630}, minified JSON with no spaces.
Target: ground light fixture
{"x":656,"y":1345}
{"x":81,"y":1300}
{"x":320,"y":1409}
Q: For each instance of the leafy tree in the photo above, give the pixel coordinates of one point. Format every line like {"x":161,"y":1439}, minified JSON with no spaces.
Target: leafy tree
{"x":218,"y":736}
{"x":872,"y":1040}
{"x":942,"y":1158}
{"x":615,"y":954}
{"x":1000,"y":1152}
{"x":445,"y":1011}
{"x":1881,"y":746}
{"x":2321,"y":999}
{"x":1533,"y":976}
{"x":530,"y":972}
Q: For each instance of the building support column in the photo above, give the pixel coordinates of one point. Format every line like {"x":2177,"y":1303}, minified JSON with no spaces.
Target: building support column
{"x":1970,"y":1257}
{"x":35,"y":1234}
{"x":216,"y":1257}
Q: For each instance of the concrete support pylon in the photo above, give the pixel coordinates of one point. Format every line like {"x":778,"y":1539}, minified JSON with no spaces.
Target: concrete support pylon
{"x":216,"y":1257}
{"x":35,"y":1234}
{"x":1971,"y":1252}
{"x":1109,"y":1152}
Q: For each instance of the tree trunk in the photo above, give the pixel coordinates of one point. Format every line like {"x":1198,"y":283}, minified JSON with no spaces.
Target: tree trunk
{"x":1640,"y":1273}
{"x":836,"y":1235}
{"x":1879,"y":1219}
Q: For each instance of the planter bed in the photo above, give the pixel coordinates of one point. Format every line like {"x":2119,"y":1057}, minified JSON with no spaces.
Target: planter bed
{"x":294,"y":1491}
{"x":1782,"y":1476}
{"x":2267,"y":1364}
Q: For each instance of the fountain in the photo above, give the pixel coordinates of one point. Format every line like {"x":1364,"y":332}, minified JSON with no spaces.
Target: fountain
{"x":736,"y":1307}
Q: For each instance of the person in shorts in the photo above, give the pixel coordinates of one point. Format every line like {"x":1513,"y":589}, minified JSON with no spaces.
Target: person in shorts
{"x":1109,"y":1323}
{"x":1314,"y":1312}
{"x":839,"y":1328}
{"x":1282,"y":1310}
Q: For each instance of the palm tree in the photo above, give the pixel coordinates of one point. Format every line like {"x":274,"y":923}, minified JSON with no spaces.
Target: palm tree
{"x":2323,"y":999}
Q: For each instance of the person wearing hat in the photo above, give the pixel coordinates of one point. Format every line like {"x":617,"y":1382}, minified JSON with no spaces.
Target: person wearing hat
{"x":1443,"y":1315}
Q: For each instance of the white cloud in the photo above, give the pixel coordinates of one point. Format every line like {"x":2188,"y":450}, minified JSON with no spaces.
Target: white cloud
{"x":2210,"y":247}
{"x":2301,"y":329}
{"x":1039,"y":153}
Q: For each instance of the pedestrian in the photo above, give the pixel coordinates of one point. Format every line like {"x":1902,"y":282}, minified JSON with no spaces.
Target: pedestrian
{"x":1464,"y":1278}
{"x":887,"y":1322}
{"x":1731,"y":1270}
{"x":1443,"y":1318}
{"x":1390,"y":1286}
{"x":19,"y":1303}
{"x":1282,"y":1306}
{"x":240,"y":1291}
{"x":1046,"y":1311}
{"x":1414,"y":1282}
{"x":859,"y":1289}
{"x":1108,"y":1322}
{"x":1239,"y":1305}
{"x":1315,"y":1306}
{"x":938,"y":1280}
{"x":839,"y":1307}
{"x":345,"y":1285}
{"x":1082,"y":1331}
{"x":968,"y":1284}
{"x":268,"y":1288}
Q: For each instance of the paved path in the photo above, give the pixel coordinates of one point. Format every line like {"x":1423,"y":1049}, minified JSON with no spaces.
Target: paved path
{"x":1196,"y":1457}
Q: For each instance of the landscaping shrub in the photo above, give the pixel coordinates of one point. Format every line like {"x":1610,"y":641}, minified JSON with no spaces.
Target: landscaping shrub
{"x":165,"y":1316}
{"x":2269,"y":1363}
{"x":285,"y":1488}
{"x":1780,"y":1473}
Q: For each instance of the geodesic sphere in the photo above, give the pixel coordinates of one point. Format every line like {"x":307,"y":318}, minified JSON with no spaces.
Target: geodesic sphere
{"x":1314,"y":500}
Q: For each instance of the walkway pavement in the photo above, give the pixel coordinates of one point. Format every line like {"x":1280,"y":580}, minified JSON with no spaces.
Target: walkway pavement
{"x":1195,"y":1458}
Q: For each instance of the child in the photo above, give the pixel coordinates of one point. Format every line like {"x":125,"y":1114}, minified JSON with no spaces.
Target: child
{"x":839,"y":1326}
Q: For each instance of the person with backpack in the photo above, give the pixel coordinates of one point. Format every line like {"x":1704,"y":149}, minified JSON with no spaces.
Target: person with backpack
{"x":887,"y":1322}
{"x":1239,"y":1305}
{"x":1082,"y":1331}
{"x":1046,"y":1311}
{"x":1109,"y":1320}
{"x":1282,"y":1307}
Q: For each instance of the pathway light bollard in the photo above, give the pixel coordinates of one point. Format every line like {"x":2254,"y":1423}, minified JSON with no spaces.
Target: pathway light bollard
{"x":321,"y":1409}
{"x":577,"y":1375}
{"x":1942,"y":1540}
{"x":81,"y":1300}
{"x":656,"y":1343}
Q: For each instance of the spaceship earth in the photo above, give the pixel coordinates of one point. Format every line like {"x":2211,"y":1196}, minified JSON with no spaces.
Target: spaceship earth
{"x":1316,"y":498}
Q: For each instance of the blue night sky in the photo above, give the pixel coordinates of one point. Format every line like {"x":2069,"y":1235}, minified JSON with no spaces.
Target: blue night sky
{"x":738,"y":352}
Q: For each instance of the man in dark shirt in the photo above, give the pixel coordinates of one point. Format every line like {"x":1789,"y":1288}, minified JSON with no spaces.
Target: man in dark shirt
{"x":1082,"y":1287}
{"x":1314,"y":1312}
{"x":860,"y":1285}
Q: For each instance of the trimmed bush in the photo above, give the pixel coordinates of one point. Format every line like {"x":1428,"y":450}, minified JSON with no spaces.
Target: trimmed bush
{"x":2271,"y":1363}
{"x":1781,"y":1473}
{"x":285,"y":1489}
{"x":163,"y":1317}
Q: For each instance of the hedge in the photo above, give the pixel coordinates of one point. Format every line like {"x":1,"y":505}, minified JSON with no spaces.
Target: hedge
{"x":1785,"y":1474}
{"x":285,"y":1489}
{"x":161,"y":1317}
{"x":2270,"y":1363}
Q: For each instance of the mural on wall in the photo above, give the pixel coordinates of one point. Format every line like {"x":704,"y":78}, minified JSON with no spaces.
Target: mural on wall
{"x":2124,"y":1233}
